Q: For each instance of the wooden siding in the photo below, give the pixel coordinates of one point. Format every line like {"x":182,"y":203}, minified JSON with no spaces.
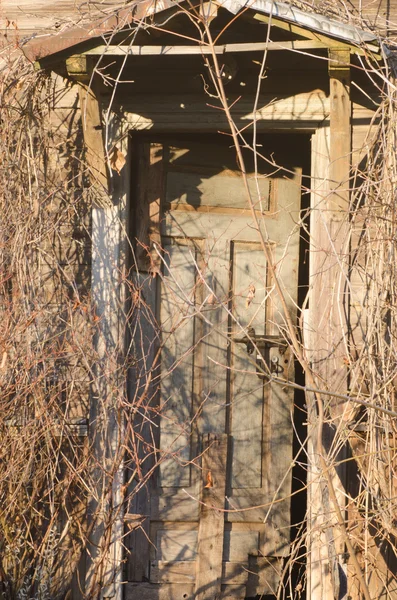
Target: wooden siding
{"x":20,"y":18}
{"x":62,"y":280}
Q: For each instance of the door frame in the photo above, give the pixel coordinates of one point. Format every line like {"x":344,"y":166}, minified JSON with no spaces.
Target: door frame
{"x":110,"y":238}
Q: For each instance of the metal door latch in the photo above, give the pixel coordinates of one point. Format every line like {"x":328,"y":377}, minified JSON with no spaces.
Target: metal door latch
{"x":270,"y":352}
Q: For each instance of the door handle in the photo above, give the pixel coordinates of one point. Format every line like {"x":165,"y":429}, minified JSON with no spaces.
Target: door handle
{"x":263,"y":346}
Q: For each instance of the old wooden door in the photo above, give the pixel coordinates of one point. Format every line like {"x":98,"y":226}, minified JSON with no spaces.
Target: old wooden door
{"x":221,"y":434}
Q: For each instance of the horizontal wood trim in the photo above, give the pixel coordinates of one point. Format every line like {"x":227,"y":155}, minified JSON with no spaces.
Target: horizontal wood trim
{"x":174,"y":505}
{"x":148,"y":591}
{"x":185,"y":572}
{"x":201,"y":49}
{"x":211,"y":209}
{"x":174,"y":113}
{"x":181,"y":571}
{"x":266,"y":569}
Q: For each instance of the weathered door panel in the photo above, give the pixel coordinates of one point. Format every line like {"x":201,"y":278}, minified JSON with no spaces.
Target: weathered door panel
{"x":216,"y":522}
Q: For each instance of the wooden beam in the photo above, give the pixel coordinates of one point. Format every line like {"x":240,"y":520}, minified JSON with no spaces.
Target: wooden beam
{"x":340,"y":142}
{"x":212,"y":520}
{"x":200,"y":49}
{"x":77,"y":67}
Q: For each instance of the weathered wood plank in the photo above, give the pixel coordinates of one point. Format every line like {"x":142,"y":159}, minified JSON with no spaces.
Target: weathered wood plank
{"x":177,"y":112}
{"x":340,"y":135}
{"x":173,"y":504}
{"x":319,"y":577}
{"x":149,"y":194}
{"x":266,"y":569}
{"x":238,"y":545}
{"x":59,"y":283}
{"x":249,"y":308}
{"x":234,"y":592}
{"x":93,"y":138}
{"x":33,"y":18}
{"x":335,"y":236}
{"x":197,"y":224}
{"x":201,"y":49}
{"x":364,"y":130}
{"x":142,"y":394}
{"x":241,"y":504}
{"x":212,"y":399}
{"x":327,"y":328}
{"x":212,"y":521}
{"x":148,"y":591}
{"x":204,"y":175}
{"x":109,"y":224}
{"x":177,"y":296}
{"x":65,"y":92}
{"x":222,"y":190}
{"x":173,"y":571}
{"x":176,"y":544}
{"x":278,"y":460}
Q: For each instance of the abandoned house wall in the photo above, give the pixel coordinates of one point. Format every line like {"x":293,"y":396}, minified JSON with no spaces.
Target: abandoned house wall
{"x":61,"y":246}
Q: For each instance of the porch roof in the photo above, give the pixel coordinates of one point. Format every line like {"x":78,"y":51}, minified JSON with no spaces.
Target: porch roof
{"x":315,"y":22}
{"x":46,"y":46}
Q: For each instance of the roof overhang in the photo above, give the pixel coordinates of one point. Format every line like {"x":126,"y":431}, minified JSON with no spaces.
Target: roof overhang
{"x":45,"y":47}
{"x":342,"y":31}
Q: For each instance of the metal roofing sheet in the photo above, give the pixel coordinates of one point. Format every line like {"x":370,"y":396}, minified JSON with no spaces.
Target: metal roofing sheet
{"x":314,"y":21}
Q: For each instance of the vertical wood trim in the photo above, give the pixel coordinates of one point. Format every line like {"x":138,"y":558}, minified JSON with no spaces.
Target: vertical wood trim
{"x":319,"y":581}
{"x":340,"y":132}
{"x":92,"y":132}
{"x":339,"y":232}
{"x":336,"y":221}
{"x":212,"y":521}
{"x":149,"y":192}
{"x":106,"y":429}
{"x":121,"y":197}
{"x":326,"y":330}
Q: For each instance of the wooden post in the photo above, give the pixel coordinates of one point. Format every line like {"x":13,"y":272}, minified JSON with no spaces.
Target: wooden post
{"x":79,"y":68}
{"x":328,"y":327}
{"x":106,"y":418}
{"x":212,"y":521}
{"x":105,"y":524}
{"x":336,"y":221}
{"x":319,"y":577}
